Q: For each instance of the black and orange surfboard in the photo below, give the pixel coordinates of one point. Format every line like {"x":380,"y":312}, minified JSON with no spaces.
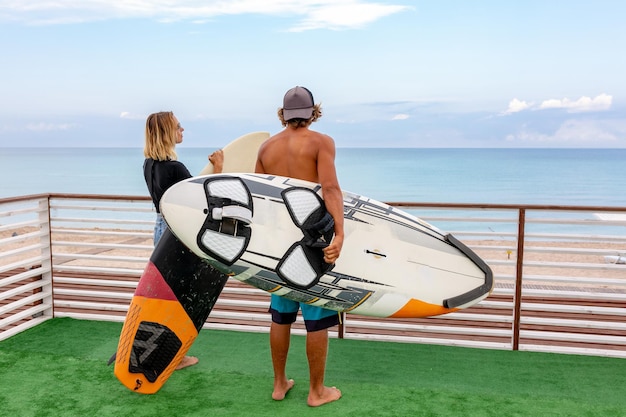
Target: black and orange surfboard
{"x":173,"y":299}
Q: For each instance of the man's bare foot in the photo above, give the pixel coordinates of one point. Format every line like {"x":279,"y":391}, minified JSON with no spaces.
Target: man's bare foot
{"x":187,"y":361}
{"x":330,"y":394}
{"x":280,"y":392}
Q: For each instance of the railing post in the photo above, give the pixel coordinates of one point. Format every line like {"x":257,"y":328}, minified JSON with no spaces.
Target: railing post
{"x":342,"y":326}
{"x":46,"y":252}
{"x":517,"y":309}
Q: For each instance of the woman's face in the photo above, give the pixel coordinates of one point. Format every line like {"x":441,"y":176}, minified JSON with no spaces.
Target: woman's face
{"x":179,"y":131}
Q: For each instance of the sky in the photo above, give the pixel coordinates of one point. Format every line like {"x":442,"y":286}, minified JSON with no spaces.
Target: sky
{"x":445,"y":73}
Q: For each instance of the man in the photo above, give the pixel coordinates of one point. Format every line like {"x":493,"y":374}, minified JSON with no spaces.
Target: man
{"x":299,"y":152}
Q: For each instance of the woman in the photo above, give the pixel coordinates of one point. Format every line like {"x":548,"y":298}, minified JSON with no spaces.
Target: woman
{"x":161,"y":170}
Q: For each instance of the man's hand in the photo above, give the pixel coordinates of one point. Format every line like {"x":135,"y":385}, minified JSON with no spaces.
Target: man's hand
{"x":332,"y":251}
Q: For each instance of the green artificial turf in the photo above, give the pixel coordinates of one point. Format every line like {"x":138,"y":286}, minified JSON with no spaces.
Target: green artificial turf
{"x":59,"y":369}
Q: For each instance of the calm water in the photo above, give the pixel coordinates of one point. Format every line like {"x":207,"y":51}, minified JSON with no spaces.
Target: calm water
{"x":524,"y":176}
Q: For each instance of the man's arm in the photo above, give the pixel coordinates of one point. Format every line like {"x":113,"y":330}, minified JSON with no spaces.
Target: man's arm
{"x":332,"y":195}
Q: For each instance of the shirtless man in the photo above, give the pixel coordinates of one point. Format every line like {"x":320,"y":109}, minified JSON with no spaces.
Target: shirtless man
{"x":299,"y":152}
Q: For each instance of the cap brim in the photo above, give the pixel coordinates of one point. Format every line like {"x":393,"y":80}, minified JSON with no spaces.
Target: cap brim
{"x":297,"y":113}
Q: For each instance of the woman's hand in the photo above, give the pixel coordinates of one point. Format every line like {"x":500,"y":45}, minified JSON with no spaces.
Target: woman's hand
{"x":217,"y":159}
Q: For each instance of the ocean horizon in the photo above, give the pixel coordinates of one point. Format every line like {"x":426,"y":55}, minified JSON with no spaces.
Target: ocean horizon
{"x":558,"y":176}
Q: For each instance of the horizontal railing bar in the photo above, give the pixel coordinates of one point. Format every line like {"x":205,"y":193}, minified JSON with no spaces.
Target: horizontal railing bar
{"x":103,"y":245}
{"x":573,"y":337}
{"x":131,"y":209}
{"x":22,"y":249}
{"x":92,"y":293}
{"x":512,"y":220}
{"x":529,"y":347}
{"x":24,"y":301}
{"x":77,"y":256}
{"x":486,"y":207}
{"x":31,"y":286}
{"x":28,"y":313}
{"x":29,"y":273}
{"x":576,"y":280}
{"x":585,"y":324}
{"x":574,"y":294}
{"x":87,"y":269}
{"x":429,"y":341}
{"x":85,"y":305}
{"x":23,"y":326}
{"x":564,"y":308}
{"x":35,"y":209}
{"x":575,"y":265}
{"x":425,"y":328}
{"x":22,"y":237}
{"x":92,"y":220}
{"x":23,"y":263}
{"x":106,"y":197}
{"x":19,"y":225}
{"x":91,"y":316}
{"x":95,"y":282}
{"x":131,"y":233}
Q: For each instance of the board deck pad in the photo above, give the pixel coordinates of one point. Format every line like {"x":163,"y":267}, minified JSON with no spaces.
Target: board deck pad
{"x":392,"y":264}
{"x":173,"y":299}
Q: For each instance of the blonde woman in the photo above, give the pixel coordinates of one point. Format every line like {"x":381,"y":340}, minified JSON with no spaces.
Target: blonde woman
{"x":161,"y":170}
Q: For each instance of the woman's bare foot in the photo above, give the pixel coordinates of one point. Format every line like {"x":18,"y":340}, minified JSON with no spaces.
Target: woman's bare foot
{"x":281,"y":391}
{"x":187,"y":361}
{"x":330,"y":394}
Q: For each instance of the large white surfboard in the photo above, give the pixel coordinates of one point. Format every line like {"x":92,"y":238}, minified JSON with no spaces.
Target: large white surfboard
{"x":261,"y":229}
{"x":240,"y":154}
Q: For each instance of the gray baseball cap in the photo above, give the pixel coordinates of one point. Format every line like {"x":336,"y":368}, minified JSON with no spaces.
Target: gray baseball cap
{"x":298,"y":104}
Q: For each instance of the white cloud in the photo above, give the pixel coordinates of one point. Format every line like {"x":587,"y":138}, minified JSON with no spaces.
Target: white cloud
{"x":583,"y":104}
{"x":578,"y":133}
{"x":131,"y":116}
{"x":47,"y":127}
{"x":311,"y":14}
{"x":516,"y":105}
{"x":345,"y":15}
{"x":400,"y":117}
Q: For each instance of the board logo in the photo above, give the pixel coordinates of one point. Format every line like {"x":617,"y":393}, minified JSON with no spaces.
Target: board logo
{"x":154,"y":347}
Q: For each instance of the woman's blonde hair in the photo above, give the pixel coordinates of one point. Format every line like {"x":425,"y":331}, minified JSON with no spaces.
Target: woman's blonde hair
{"x":317,"y":113}
{"x":161,"y":135}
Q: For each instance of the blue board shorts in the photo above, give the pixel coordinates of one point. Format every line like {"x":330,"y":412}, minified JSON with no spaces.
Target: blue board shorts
{"x":285,"y":311}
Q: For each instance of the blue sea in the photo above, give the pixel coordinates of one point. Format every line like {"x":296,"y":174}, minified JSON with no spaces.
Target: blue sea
{"x":594,"y":177}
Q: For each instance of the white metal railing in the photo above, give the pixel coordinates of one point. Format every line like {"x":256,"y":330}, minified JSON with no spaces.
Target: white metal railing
{"x":556,"y":289}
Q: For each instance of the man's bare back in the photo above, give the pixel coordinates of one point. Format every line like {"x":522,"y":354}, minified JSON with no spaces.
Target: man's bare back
{"x":293,"y":153}
{"x":299,"y":152}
